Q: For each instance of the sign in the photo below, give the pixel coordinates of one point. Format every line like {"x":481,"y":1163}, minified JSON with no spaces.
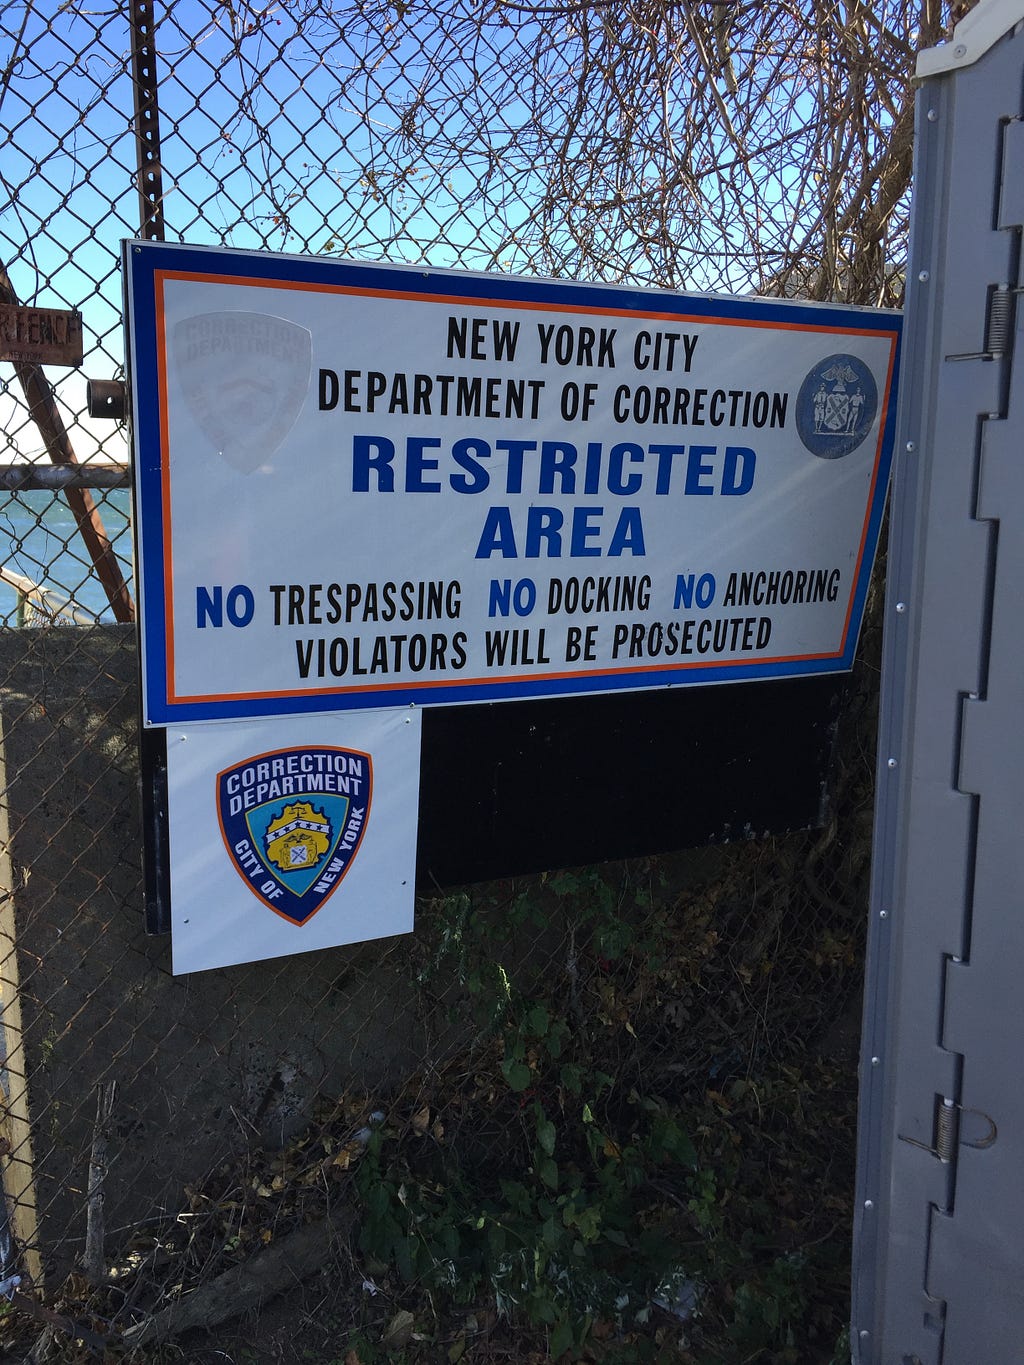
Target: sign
{"x":43,"y":336}
{"x":291,"y":835}
{"x":365,"y":486}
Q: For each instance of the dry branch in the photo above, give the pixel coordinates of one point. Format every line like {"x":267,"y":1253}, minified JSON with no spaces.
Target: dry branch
{"x":244,"y":1287}
{"x":92,"y":1256}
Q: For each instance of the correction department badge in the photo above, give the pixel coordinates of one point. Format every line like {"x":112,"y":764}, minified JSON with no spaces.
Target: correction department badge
{"x":292,"y":822}
{"x":244,"y":378}
{"x":836,"y":406}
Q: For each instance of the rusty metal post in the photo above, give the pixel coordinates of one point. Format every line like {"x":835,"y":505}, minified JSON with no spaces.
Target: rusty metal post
{"x":147,"y":122}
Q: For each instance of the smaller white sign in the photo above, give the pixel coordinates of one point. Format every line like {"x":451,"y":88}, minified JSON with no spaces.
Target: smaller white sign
{"x":288,"y":835}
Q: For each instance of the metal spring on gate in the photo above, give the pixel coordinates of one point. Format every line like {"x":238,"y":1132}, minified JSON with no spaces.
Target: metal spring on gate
{"x":949,"y":1130}
{"x":998,"y":326}
{"x":1000,"y":321}
{"x":947,"y":1126}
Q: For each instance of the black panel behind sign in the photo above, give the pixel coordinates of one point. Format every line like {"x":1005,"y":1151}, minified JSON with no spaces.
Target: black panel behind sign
{"x":520,"y":787}
{"x":527,"y":786}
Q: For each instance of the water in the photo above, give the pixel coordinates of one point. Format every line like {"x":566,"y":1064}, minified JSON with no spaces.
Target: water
{"x":40,"y":540}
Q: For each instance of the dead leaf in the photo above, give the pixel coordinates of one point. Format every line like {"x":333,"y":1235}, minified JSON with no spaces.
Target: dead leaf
{"x":421,"y":1120}
{"x":398,"y":1332}
{"x":345,"y":1156}
{"x":76,"y":1286}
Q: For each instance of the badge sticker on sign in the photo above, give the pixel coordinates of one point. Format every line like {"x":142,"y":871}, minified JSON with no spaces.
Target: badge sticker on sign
{"x":244,"y":378}
{"x":292,"y":822}
{"x":291,"y":834}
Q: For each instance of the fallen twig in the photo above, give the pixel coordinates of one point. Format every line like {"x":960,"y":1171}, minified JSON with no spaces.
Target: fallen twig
{"x":295,"y":1257}
{"x":92,"y":1256}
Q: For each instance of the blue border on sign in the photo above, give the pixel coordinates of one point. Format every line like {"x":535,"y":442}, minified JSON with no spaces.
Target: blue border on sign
{"x":144,"y":261}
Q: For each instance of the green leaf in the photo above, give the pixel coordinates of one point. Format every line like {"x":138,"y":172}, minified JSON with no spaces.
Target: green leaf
{"x":545,"y":1310}
{"x":516,"y":1195}
{"x":555,"y":1038}
{"x":496,"y":1240}
{"x":405,"y":1254}
{"x":518,"y":1074}
{"x":565,"y":883}
{"x":545,"y":1132}
{"x":571,"y":1077}
{"x":588,"y":1221}
{"x":548,"y":1172}
{"x":538,"y":1021}
{"x":561,"y":1338}
{"x":673,"y":1141}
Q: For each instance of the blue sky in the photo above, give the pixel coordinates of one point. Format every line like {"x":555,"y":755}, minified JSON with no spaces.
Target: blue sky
{"x":356,"y":131}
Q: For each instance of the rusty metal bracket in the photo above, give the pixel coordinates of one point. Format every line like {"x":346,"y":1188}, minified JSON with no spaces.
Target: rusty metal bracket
{"x":106,"y":398}
{"x":42,"y":407}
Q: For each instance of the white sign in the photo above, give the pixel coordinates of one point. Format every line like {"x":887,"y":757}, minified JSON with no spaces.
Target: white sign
{"x":367,"y":486}
{"x":291,"y":834}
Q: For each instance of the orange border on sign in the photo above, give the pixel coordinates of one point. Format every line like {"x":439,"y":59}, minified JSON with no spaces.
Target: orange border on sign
{"x":175,"y":698}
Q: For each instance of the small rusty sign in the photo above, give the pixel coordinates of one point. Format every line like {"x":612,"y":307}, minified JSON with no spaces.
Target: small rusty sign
{"x":45,"y":336}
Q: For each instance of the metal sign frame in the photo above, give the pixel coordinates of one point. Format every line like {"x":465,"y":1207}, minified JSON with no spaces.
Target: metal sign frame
{"x":815,"y":513}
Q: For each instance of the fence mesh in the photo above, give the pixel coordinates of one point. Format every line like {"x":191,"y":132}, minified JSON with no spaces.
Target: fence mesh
{"x":161,"y":1132}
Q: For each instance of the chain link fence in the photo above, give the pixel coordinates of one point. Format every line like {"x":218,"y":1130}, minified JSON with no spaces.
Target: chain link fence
{"x":397,"y":1102}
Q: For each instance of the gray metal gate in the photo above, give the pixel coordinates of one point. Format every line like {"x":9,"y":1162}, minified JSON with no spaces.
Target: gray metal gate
{"x":939,"y":1246}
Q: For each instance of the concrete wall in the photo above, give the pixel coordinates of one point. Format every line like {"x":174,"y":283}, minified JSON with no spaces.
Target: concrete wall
{"x":203,"y":1064}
